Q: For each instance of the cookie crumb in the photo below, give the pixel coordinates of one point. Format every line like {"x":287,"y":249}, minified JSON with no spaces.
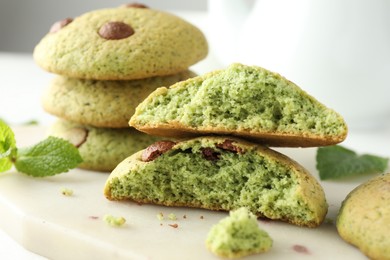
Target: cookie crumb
{"x":238,"y":235}
{"x":172,"y":216}
{"x":114,"y":221}
{"x":67,"y":192}
{"x":160,"y":216}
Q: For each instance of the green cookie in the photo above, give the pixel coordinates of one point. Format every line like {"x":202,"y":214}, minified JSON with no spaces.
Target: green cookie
{"x":245,"y":101}
{"x":121,"y":43}
{"x":102,"y":103}
{"x":220,"y":173}
{"x":101,"y":148}
{"x":364,"y":217}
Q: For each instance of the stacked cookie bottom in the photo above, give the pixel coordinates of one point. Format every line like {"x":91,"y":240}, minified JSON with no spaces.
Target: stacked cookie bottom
{"x":94,"y":114}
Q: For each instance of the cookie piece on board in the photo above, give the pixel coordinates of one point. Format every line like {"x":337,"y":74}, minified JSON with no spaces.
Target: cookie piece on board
{"x":238,"y":235}
{"x":102,"y":103}
{"x":121,"y":43}
{"x":245,"y":101}
{"x":220,"y":173}
{"x":101,"y":148}
{"x":364,"y":217}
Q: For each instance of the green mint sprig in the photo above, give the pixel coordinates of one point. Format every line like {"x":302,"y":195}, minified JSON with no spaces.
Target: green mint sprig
{"x":48,"y":157}
{"x":334,"y":162}
{"x":7,"y":146}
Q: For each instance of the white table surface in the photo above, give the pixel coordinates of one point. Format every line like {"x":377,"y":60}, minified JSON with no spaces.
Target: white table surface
{"x":21,"y":87}
{"x":22,"y":83}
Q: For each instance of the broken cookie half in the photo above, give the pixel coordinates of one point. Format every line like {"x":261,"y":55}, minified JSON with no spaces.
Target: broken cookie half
{"x":244,"y":101}
{"x":220,"y":173}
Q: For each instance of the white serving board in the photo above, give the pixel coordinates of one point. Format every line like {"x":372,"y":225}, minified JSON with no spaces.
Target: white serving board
{"x":35,"y":213}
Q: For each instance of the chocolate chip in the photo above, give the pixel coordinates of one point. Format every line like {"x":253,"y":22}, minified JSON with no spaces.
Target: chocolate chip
{"x":115,"y":31}
{"x":76,"y":136}
{"x":228,"y":145}
{"x":136,"y":5}
{"x":209,"y":154}
{"x":60,"y":24}
{"x":155,"y":150}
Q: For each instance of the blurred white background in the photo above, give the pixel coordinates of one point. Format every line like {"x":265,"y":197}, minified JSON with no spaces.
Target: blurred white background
{"x":24,"y":23}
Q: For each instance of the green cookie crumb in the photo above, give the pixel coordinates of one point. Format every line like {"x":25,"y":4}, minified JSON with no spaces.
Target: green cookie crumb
{"x":114,"y":221}
{"x":160,"y":216}
{"x":67,"y":192}
{"x":238,"y":235}
{"x":172,"y":216}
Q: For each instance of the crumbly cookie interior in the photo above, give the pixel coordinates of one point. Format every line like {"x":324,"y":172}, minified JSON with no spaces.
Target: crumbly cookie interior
{"x":242,"y":98}
{"x":221,"y":179}
{"x":238,"y":235}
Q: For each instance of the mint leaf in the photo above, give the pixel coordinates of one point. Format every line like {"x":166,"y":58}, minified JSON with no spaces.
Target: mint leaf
{"x":49,"y":157}
{"x":7,"y":146}
{"x":335,"y":162}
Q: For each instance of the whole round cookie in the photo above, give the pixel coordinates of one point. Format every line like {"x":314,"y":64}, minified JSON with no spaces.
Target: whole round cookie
{"x":102,"y":103}
{"x":364,"y":217}
{"x":121,"y":43}
{"x":101,"y":148}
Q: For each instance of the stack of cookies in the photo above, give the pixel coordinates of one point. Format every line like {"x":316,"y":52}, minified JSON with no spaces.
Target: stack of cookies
{"x":227,"y":119}
{"x":107,"y":61}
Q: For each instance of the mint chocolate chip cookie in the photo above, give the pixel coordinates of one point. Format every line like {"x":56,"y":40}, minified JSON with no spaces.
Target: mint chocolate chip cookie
{"x":364,"y":217}
{"x":101,"y":148}
{"x":103,"y":103}
{"x":124,"y":43}
{"x":245,"y":101}
{"x":220,"y":173}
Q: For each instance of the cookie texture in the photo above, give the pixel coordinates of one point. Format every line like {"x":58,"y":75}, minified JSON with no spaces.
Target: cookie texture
{"x":245,"y":101}
{"x":364,"y":218}
{"x":220,"y":173}
{"x":122,"y":43}
{"x":238,"y":235}
{"x":102,"y":103}
{"x":101,"y":148}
